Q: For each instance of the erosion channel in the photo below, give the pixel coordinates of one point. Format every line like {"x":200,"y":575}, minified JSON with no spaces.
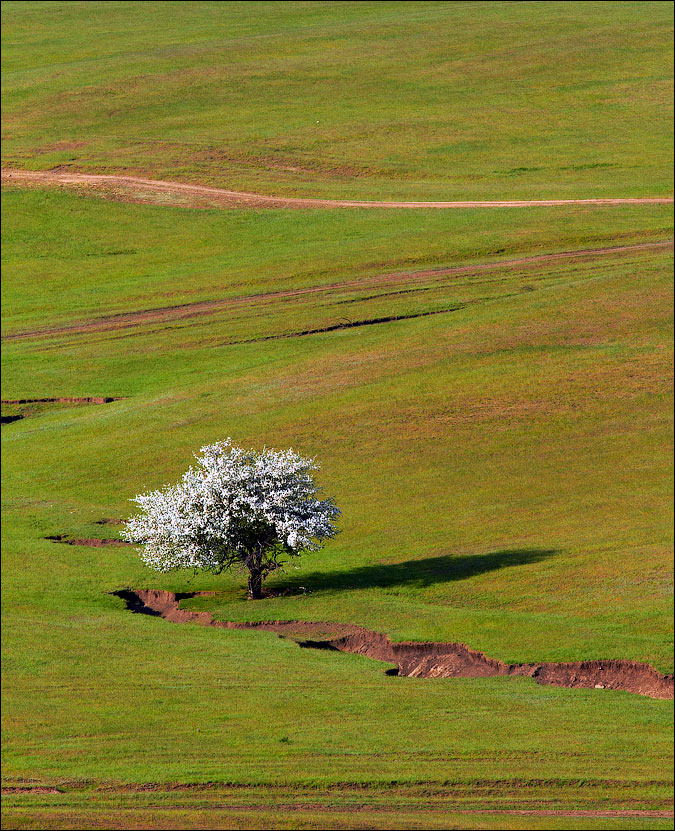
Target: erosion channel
{"x":415,"y":660}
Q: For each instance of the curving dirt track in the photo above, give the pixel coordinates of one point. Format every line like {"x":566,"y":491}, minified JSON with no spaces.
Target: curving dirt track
{"x":125,"y":320}
{"x":131,"y":188}
{"x":414,"y":659}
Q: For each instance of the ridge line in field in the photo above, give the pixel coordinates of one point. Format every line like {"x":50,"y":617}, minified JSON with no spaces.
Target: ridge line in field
{"x":125,"y":320}
{"x":231,"y":198}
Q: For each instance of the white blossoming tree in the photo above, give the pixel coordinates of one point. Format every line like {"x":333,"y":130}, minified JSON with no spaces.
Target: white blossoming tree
{"x":237,"y":508}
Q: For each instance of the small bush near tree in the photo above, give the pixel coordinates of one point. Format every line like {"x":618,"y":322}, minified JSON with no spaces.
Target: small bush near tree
{"x":236,"y":508}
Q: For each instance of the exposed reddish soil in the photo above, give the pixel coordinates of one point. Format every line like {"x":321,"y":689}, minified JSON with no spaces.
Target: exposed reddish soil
{"x":417,"y":660}
{"x":29,"y":411}
{"x":97,"y":399}
{"x":127,"y":320}
{"x":133,"y":186}
{"x":92,"y":542}
{"x":428,"y":787}
{"x":19,"y":789}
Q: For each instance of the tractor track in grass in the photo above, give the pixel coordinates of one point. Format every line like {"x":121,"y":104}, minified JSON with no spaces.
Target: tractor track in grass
{"x":416,"y":659}
{"x":507,"y":797}
{"x":443,"y":800}
{"x":160,"y":314}
{"x":135,"y":188}
{"x":364,"y":808}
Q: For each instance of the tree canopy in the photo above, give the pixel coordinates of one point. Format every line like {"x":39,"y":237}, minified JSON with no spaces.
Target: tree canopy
{"x":235,"y":508}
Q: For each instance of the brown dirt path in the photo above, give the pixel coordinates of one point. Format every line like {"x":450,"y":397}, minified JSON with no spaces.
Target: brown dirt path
{"x":131,"y":186}
{"x":416,"y":659}
{"x":126,"y":320}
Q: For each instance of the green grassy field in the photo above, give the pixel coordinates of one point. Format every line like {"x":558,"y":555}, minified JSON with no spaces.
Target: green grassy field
{"x":433,"y":100}
{"x":499,"y":439}
{"x":474,"y":454}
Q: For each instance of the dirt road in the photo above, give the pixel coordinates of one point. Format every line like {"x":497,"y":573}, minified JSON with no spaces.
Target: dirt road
{"x":134,"y":188}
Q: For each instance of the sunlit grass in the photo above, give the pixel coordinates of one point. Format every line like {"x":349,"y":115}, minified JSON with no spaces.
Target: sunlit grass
{"x":501,"y":452}
{"x":415,"y":100}
{"x":502,"y":469}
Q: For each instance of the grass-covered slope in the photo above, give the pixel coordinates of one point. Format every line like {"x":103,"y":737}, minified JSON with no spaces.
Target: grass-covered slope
{"x":494,"y":422}
{"x":88,"y":258}
{"x":502,"y":467}
{"x":429,"y":100}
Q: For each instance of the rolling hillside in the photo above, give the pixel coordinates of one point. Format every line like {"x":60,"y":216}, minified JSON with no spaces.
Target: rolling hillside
{"x":488,"y":391}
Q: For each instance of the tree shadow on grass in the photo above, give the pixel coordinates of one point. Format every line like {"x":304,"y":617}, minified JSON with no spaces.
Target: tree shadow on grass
{"x":417,"y":573}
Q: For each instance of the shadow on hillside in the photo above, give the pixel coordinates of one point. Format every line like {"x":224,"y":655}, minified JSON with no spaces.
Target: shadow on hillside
{"x":418,"y":573}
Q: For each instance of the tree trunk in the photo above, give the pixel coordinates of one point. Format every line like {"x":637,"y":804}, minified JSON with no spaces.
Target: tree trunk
{"x":255,"y":584}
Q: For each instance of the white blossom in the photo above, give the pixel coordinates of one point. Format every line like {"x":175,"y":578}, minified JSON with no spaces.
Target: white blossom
{"x":236,"y":507}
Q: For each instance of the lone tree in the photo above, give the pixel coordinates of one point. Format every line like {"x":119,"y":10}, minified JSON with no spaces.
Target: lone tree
{"x":237,"y":508}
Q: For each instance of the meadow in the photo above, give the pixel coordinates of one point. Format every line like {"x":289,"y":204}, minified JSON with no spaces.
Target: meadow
{"x":494,"y":422}
{"x":479,"y":100}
